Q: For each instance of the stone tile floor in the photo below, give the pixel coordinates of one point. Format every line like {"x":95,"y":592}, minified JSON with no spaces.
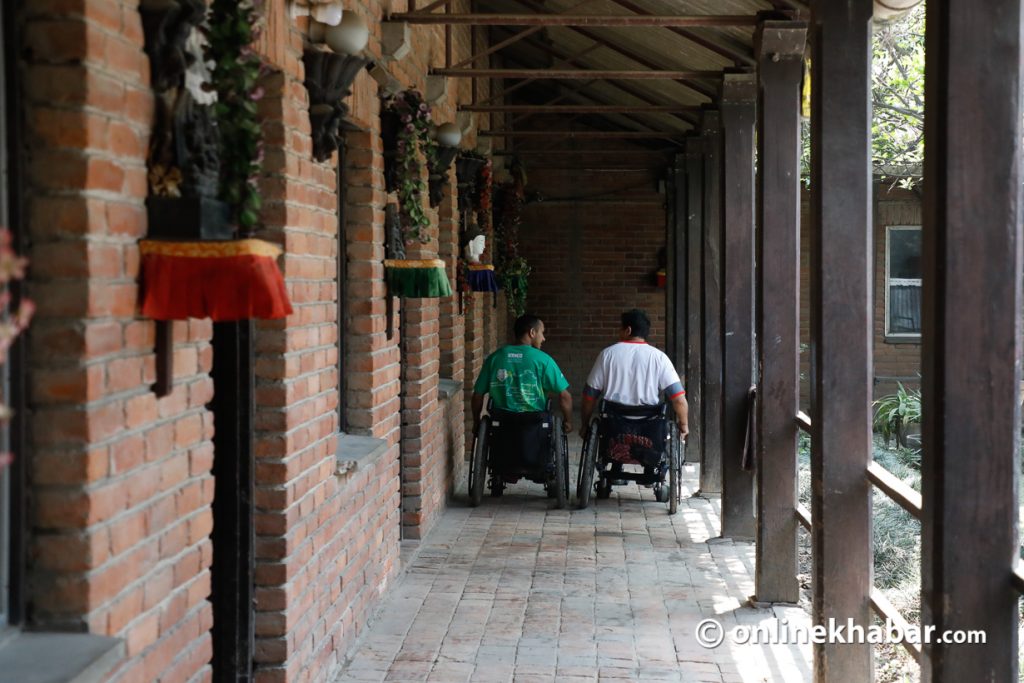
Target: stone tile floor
{"x":515,"y":590}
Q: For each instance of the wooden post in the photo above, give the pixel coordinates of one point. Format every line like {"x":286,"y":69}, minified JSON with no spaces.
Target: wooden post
{"x":694,"y":296}
{"x":739,"y":98}
{"x":711,"y":377}
{"x":971,"y":337}
{"x":780,"y":67}
{"x":671,"y":221}
{"x":677,"y":261}
{"x":841,"y":330}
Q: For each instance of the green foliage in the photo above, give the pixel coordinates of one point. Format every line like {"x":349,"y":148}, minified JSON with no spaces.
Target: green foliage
{"x":415,"y":135}
{"x":897,"y":95}
{"x":234,"y":26}
{"x":896,"y":411}
{"x":513,"y":270}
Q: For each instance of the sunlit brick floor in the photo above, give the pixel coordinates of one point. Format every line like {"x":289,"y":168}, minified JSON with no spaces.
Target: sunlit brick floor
{"x":517,"y":591}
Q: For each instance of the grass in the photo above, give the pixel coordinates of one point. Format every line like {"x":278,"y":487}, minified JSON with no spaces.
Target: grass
{"x":897,"y":552}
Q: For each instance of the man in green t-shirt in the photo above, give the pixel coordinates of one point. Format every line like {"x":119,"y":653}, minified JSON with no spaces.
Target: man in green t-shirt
{"x":519,"y":377}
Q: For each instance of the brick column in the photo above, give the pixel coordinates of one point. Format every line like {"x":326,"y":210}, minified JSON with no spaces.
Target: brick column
{"x":120,"y":480}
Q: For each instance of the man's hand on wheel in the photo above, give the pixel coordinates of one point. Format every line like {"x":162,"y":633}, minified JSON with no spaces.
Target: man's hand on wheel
{"x":684,"y":430}
{"x":566,"y":426}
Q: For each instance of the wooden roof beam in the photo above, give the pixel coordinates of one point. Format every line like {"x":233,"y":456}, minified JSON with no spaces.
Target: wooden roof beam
{"x":740,"y":54}
{"x":710,"y":93}
{"x":577,"y":74}
{"x":581,"y":108}
{"x":721,"y":20}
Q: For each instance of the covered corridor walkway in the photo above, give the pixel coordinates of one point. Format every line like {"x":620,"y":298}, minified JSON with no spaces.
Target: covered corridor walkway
{"x":517,"y":590}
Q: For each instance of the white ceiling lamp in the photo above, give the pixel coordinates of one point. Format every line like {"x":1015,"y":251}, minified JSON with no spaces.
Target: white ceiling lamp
{"x":885,"y":11}
{"x":448,"y":135}
{"x":350,"y":36}
{"x":328,"y":13}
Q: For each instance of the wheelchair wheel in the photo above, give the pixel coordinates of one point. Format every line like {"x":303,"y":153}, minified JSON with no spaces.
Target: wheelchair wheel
{"x":565,"y":466}
{"x":588,"y":459}
{"x":478,"y":464}
{"x":661,"y":492}
{"x":675,"y":473}
{"x":560,"y":459}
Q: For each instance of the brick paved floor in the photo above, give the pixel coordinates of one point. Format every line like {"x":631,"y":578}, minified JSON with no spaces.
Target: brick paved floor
{"x":517,"y":591}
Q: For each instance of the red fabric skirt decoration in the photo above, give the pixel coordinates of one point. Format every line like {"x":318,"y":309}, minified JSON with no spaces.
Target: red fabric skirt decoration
{"x":224,"y":281}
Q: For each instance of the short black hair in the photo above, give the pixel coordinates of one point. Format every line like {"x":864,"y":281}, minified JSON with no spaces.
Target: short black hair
{"x":638,"y":322}
{"x":525,"y":323}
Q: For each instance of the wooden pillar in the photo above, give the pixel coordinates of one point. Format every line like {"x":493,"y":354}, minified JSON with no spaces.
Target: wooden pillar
{"x":739,"y":100}
{"x":670,"y":247}
{"x":780,"y":67}
{"x":694,"y":296}
{"x":711,"y":374}
{"x":972,"y":245}
{"x":677,"y":265}
{"x":841,"y":329}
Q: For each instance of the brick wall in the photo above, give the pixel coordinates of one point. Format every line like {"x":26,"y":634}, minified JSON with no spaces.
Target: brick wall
{"x":892,"y":359}
{"x":121,"y":484}
{"x":121,"y":481}
{"x":592,"y":259}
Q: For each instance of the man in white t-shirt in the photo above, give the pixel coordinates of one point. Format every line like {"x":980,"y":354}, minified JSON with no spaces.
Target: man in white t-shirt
{"x":634,"y":373}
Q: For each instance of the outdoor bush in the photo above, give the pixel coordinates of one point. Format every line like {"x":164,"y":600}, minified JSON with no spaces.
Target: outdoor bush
{"x":894,"y":412}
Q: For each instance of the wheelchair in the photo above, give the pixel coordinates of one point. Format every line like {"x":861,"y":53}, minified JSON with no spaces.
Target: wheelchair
{"x":631,"y":435}
{"x":511,"y":446}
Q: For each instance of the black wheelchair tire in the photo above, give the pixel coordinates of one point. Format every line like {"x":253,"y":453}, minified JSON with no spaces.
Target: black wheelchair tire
{"x":565,"y":467}
{"x":478,"y":464}
{"x":559,"y":456}
{"x":585,"y":485}
{"x":675,"y":472}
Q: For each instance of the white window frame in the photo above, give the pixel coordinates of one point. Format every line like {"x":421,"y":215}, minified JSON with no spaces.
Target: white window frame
{"x":897,"y":281}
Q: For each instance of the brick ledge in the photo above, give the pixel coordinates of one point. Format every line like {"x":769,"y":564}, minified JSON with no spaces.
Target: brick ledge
{"x":28,"y":657}
{"x":357,"y":451}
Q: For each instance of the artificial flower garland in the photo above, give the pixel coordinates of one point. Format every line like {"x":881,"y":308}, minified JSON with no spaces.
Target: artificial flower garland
{"x":513,"y":270}
{"x":234,"y":27}
{"x":415,"y":134}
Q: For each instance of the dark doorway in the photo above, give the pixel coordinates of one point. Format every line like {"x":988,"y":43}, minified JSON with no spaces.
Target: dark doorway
{"x":13,"y":477}
{"x":233,"y":568}
{"x":342,"y":289}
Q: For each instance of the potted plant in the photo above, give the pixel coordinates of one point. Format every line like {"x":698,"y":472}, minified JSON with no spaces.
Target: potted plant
{"x":899,"y":415}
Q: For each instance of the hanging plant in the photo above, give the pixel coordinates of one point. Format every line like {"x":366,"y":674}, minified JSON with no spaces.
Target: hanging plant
{"x":415,"y":135}
{"x":513,"y":270}
{"x":234,"y":27}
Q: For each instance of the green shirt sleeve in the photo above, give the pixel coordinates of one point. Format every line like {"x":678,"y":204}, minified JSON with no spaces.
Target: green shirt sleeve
{"x":554,"y":380}
{"x":483,"y":380}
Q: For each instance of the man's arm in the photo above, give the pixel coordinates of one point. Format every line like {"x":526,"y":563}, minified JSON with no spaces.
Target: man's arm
{"x":565,"y":403}
{"x":682,"y":410}
{"x":478,"y":407}
{"x":590,"y":396}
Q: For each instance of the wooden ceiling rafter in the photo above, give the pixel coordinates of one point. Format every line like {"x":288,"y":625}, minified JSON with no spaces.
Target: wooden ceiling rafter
{"x":581,"y":92}
{"x":578,"y":74}
{"x":548,"y":19}
{"x":739,"y":54}
{"x":581,"y":108}
{"x":627,"y":88}
{"x":701,"y":88}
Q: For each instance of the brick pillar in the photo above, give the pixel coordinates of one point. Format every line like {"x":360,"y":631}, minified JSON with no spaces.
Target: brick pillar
{"x":120,"y":480}
{"x":452,"y":340}
{"x":327,"y":542}
{"x":474,"y":352}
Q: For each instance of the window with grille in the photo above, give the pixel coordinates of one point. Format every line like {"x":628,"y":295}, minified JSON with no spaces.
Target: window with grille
{"x":903,"y":281}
